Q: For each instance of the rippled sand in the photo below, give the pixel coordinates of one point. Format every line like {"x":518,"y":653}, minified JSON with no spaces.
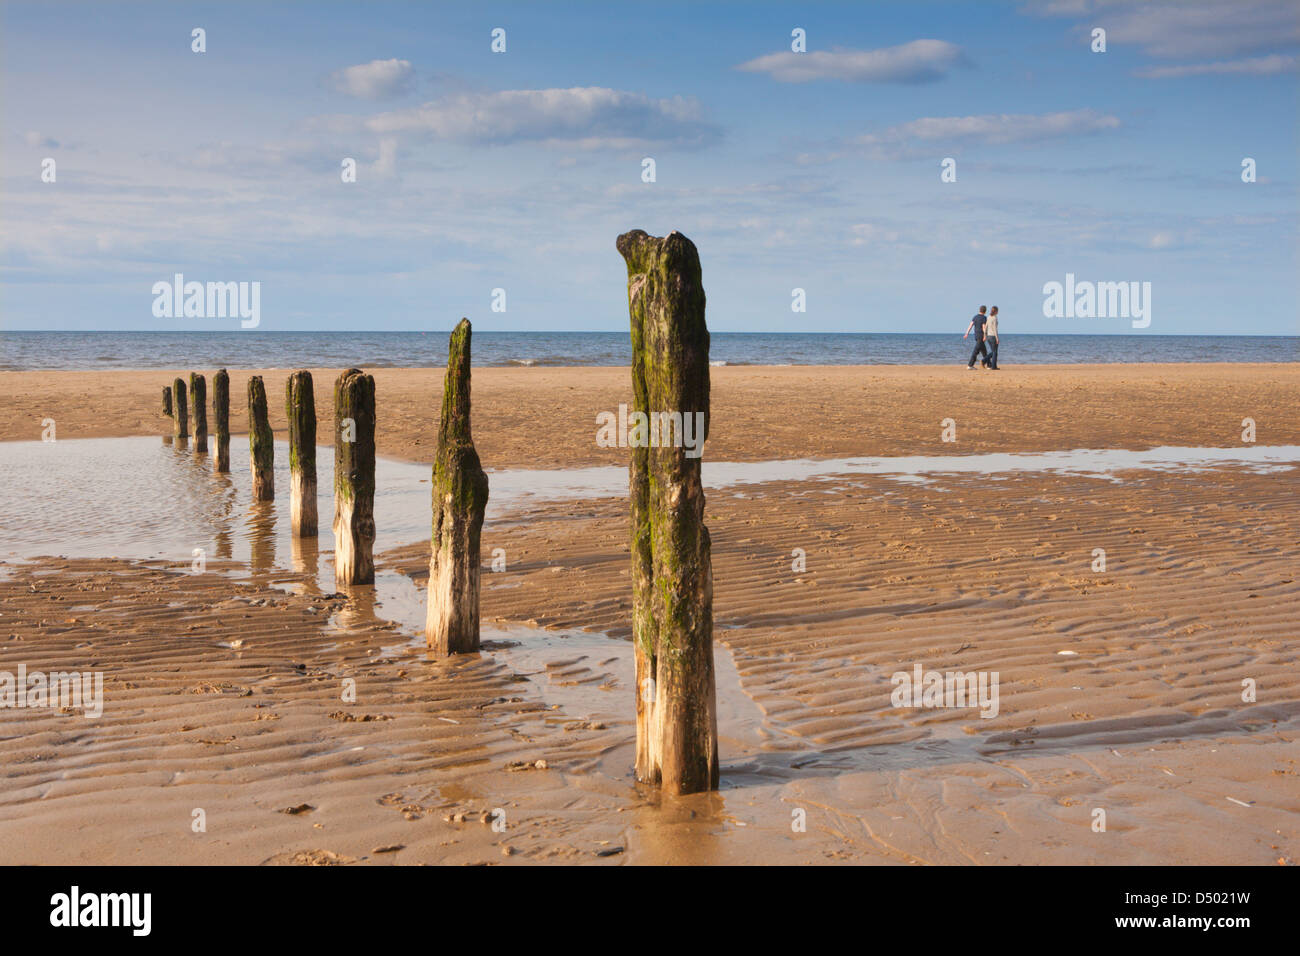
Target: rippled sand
{"x":225,"y":690}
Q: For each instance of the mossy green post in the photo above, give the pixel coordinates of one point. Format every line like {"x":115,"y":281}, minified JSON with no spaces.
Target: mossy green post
{"x":354,"y":478}
{"x":460,"y":494}
{"x":221,"y":416}
{"x":261,"y":442}
{"x":180,"y":416}
{"x":300,"y":409}
{"x":672,"y":573}
{"x":199,"y":410}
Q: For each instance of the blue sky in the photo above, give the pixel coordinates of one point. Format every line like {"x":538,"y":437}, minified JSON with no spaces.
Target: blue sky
{"x":819,"y":170}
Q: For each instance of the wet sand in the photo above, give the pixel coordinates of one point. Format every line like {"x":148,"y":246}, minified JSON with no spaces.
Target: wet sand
{"x":546,"y":417}
{"x":224,"y":690}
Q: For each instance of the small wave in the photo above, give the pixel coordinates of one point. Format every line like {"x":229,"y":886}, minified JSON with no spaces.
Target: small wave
{"x":526,"y":363}
{"x":717,"y":362}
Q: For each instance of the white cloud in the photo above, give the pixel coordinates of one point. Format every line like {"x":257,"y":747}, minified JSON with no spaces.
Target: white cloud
{"x":1187,"y":28}
{"x":870,"y":234}
{"x":920,"y":61}
{"x":376,"y":80}
{"x":1257,"y":66}
{"x":583,"y":117}
{"x":989,"y":128}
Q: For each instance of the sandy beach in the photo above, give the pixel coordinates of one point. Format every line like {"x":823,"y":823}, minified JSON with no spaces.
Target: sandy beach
{"x":546,"y":417}
{"x":1121,"y":690}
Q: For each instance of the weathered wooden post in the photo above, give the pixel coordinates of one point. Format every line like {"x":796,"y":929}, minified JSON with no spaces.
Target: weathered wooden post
{"x":672,"y":575}
{"x":180,"y":417}
{"x":300,"y":407}
{"x":199,"y":410}
{"x":354,"y":478}
{"x":460,"y":493}
{"x":221,"y":412}
{"x":167,"y":410}
{"x":261,"y":442}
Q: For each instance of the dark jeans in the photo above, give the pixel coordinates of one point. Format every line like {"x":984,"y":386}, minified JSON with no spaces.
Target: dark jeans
{"x":993,"y":351}
{"x":979,"y":350}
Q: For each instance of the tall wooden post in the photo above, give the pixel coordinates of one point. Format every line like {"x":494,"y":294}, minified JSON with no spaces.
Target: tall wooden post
{"x":261,"y":442}
{"x":460,"y":493}
{"x":199,"y":410}
{"x":300,"y":407}
{"x":221,"y":413}
{"x":672,"y":575}
{"x":180,"y":417}
{"x":354,"y":478}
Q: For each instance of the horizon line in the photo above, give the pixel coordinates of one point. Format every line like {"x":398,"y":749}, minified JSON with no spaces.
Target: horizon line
{"x":448,"y":331}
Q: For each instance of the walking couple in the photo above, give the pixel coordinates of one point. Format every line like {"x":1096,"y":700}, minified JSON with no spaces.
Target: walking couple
{"x":986,"y":338}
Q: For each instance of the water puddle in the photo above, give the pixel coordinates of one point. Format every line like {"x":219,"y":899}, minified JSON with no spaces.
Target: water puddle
{"x":589,"y":678}
{"x":143,"y":499}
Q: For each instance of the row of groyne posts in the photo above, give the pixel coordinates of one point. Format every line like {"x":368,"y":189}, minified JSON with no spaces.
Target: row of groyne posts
{"x":672,"y":577}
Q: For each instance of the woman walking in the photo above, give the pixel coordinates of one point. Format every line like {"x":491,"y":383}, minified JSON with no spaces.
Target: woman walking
{"x":991,"y":338}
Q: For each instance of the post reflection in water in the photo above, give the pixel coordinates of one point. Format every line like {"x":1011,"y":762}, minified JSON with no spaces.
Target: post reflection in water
{"x":689,"y":830}
{"x":359,"y":612}
{"x":304,"y":556}
{"x":261,"y":536}
{"x":223,"y":519}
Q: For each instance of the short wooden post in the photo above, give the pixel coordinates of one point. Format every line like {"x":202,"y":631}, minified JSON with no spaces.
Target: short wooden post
{"x":300,"y":408}
{"x":199,"y":410}
{"x":460,"y":493}
{"x":354,"y":478}
{"x":221,"y":413}
{"x":261,"y":442}
{"x":167,"y":410}
{"x":180,"y":417}
{"x":672,"y":576}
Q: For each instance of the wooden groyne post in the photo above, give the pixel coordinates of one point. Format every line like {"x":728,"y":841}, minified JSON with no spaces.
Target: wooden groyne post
{"x":221,"y":414}
{"x":180,"y":417}
{"x":300,"y":408}
{"x":354,"y":478}
{"x":261,"y":442}
{"x":199,"y":410}
{"x":167,"y":410}
{"x":672,"y":575}
{"x":460,"y":493}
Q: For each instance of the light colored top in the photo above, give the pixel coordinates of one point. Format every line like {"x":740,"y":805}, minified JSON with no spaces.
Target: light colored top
{"x":991,"y":330}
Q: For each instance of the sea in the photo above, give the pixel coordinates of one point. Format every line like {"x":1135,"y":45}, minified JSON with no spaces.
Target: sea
{"x":22,"y":351}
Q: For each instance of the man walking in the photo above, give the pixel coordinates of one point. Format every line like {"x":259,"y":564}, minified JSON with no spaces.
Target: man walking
{"x":991,"y":338}
{"x":977,"y":323}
